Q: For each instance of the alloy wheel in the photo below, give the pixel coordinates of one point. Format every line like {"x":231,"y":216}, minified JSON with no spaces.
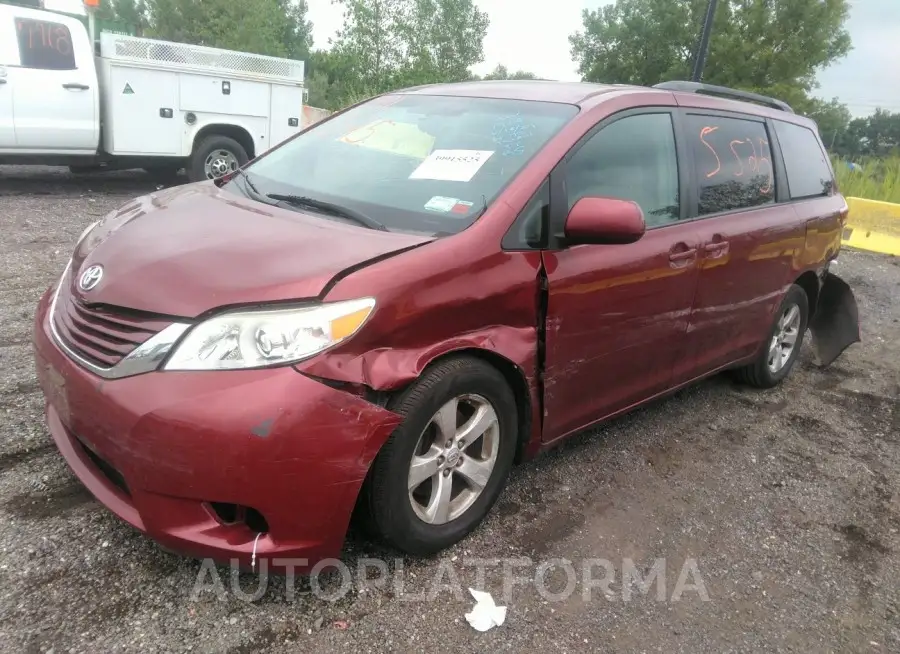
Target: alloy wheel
{"x":784,"y":340}
{"x":454,"y":459}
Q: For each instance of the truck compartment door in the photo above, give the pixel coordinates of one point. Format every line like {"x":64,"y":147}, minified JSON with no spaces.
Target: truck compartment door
{"x":287,"y":112}
{"x":144,"y":111}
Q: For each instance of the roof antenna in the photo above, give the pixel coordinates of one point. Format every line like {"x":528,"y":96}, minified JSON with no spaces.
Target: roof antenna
{"x":703,"y":44}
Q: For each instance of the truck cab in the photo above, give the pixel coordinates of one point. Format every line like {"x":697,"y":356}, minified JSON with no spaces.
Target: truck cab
{"x":49,"y":95}
{"x":135,"y":102}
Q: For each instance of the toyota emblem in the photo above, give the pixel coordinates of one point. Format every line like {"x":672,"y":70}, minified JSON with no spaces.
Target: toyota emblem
{"x":90,"y":278}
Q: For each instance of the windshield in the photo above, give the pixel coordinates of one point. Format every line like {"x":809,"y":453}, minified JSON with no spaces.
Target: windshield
{"x":415,"y":163}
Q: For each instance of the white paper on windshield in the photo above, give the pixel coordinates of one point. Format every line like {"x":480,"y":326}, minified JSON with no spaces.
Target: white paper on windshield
{"x":439,"y":203}
{"x":452,"y":165}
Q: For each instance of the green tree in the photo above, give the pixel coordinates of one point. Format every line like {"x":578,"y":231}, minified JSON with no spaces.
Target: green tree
{"x":370,"y":45}
{"x":443,"y":40}
{"x":389,"y":44}
{"x":272,"y":27}
{"x":501,"y":72}
{"x":129,"y":12}
{"x":877,"y":135}
{"x":330,"y":78}
{"x":833,"y":119}
{"x":759,"y":45}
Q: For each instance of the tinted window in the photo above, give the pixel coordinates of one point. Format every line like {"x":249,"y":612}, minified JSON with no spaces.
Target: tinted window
{"x":733,"y":163}
{"x":808,"y":171}
{"x":43,"y":44}
{"x":413,"y":162}
{"x":631,"y":159}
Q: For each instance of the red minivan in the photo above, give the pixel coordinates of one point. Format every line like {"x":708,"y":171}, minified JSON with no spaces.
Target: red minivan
{"x":384,"y":313}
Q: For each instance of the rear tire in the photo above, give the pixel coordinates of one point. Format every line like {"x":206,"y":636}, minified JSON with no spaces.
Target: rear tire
{"x":215,"y":156}
{"x":783,"y":342}
{"x":459,"y":483}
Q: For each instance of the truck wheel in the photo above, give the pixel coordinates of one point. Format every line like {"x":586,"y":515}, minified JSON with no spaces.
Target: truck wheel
{"x":783,"y":342}
{"x":443,"y":468}
{"x":215,"y":156}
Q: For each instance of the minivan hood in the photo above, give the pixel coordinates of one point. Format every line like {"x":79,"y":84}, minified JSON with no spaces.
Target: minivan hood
{"x":186,"y":250}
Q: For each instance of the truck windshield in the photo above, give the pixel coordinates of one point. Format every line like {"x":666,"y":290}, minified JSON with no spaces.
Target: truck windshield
{"x":412,"y":162}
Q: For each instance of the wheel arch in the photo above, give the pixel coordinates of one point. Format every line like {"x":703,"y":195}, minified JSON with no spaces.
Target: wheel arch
{"x":237,"y":132}
{"x":513,"y":375}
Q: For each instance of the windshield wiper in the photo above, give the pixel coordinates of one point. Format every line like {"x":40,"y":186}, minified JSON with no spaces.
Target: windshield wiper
{"x":329,"y":208}
{"x":249,"y":183}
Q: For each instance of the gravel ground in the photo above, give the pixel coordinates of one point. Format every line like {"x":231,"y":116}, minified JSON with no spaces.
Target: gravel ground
{"x":780,"y":510}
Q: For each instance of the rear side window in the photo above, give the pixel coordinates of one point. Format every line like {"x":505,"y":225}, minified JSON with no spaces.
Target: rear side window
{"x":631,"y":159}
{"x":44,"y":44}
{"x":808,"y":172}
{"x":733,"y":163}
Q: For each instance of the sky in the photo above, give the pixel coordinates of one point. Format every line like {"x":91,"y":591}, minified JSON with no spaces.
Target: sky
{"x":524,"y":36}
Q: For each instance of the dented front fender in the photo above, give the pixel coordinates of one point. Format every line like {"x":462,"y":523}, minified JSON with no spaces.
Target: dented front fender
{"x":835,"y":324}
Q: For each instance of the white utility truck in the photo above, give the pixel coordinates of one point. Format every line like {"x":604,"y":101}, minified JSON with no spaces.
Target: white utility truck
{"x":137,"y":103}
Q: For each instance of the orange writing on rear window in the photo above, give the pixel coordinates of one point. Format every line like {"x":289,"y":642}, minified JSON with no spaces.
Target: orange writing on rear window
{"x":739,"y":149}
{"x":704,"y":132}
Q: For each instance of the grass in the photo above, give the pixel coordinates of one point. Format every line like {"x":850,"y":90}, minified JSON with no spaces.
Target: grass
{"x":878,"y":179}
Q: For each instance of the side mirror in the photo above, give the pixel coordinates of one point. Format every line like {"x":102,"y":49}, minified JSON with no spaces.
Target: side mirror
{"x":604,"y":221}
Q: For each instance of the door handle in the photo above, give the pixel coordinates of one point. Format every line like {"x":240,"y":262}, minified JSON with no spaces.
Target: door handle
{"x":717,"y":248}
{"x":76,"y":86}
{"x":2,"y":80}
{"x":679,"y":256}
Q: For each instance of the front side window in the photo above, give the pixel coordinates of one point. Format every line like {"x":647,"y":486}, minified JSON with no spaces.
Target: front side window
{"x":634,"y":159}
{"x":44,"y":44}
{"x":733,"y":163}
{"x":412,"y":162}
{"x":808,"y":172}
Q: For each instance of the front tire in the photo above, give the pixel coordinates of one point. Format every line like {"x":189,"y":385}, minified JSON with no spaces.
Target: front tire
{"x":444,"y":467}
{"x":782,"y":347}
{"x":214,"y":157}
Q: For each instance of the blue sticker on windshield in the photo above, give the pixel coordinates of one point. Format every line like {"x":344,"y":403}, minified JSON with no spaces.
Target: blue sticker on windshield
{"x":510,"y":133}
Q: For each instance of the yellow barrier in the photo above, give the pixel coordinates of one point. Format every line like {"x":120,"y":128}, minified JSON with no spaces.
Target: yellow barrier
{"x":873,"y":226}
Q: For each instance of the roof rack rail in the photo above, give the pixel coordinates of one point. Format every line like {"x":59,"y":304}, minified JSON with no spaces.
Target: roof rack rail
{"x":723,"y":91}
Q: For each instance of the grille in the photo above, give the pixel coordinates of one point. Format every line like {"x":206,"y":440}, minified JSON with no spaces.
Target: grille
{"x":209,"y":60}
{"x":101,"y":335}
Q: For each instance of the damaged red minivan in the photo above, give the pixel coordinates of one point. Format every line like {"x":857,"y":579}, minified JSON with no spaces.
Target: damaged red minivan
{"x":384,"y":313}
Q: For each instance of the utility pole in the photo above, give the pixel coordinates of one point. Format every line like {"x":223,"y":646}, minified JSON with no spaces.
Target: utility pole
{"x":703,"y":43}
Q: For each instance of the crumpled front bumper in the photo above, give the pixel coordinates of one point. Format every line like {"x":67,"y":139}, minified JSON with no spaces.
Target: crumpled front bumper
{"x":159,"y":449}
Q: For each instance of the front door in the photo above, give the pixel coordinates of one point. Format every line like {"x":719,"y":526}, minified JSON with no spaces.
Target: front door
{"x":747,"y":241}
{"x":617,"y":314}
{"x":54,"y":86}
{"x":8,"y":55}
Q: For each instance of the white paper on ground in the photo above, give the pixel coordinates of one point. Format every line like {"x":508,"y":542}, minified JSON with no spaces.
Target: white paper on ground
{"x":451,"y":165}
{"x":485,"y":614}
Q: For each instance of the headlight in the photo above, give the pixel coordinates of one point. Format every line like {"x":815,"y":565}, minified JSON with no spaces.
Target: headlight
{"x":255,"y":339}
